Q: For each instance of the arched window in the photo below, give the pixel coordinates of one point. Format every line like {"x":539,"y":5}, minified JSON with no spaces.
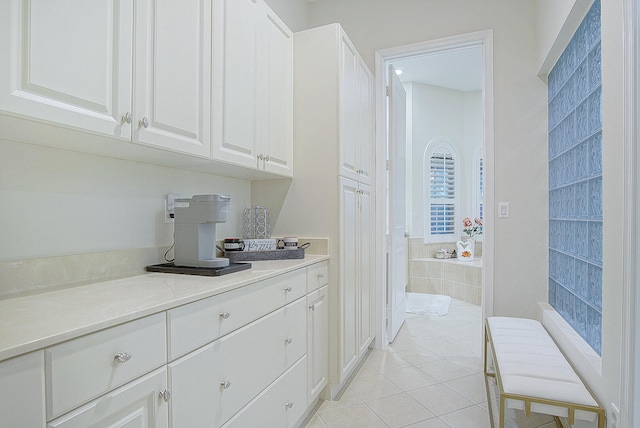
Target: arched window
{"x":441,"y":192}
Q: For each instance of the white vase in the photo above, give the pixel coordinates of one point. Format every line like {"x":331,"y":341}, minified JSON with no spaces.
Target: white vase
{"x":465,"y":250}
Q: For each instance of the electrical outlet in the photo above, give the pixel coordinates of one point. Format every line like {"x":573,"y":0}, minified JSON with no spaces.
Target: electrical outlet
{"x":170,"y":207}
{"x":615,"y":416}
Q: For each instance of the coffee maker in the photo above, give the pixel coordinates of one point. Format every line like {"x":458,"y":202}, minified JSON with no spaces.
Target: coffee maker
{"x":195,"y":230}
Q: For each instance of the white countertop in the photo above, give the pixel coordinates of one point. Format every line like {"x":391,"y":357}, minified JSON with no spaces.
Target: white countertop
{"x":33,"y":322}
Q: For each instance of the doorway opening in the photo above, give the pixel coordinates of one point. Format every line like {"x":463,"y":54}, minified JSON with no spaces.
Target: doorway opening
{"x":415,"y":61}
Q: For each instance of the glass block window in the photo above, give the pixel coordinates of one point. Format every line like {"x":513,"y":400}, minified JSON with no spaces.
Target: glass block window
{"x":440,"y":187}
{"x":575,"y":182}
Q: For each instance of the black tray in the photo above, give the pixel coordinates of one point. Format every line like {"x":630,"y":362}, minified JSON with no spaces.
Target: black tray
{"x":241,"y":256}
{"x":204,"y":271}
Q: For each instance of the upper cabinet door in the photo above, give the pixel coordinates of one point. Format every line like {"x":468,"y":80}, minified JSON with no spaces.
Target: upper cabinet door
{"x":366,"y":122}
{"x":68,"y":62}
{"x":235,"y":91}
{"x":356,"y":114}
{"x":277,"y":57}
{"x":349,"y":150}
{"x":173,"y":75}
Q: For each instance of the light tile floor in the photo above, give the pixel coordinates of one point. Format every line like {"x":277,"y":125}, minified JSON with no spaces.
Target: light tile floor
{"x":431,"y":376}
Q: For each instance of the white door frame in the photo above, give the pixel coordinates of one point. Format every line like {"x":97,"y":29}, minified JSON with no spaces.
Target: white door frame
{"x":382,"y":57}
{"x":630,"y":335}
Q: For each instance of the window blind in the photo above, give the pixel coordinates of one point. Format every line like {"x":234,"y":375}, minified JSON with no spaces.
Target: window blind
{"x":442,"y":193}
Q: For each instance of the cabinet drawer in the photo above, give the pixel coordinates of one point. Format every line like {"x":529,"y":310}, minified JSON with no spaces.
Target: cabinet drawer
{"x":282,"y":404}
{"x":198,"y":323}
{"x":253,"y":357}
{"x":84,"y":368}
{"x":234,"y":369}
{"x":317,"y":276}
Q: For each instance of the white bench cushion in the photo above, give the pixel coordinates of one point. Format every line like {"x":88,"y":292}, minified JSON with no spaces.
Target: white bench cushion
{"x":531,"y":365}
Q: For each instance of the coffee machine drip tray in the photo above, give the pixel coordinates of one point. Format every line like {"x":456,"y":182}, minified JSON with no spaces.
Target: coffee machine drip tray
{"x":204,"y":271}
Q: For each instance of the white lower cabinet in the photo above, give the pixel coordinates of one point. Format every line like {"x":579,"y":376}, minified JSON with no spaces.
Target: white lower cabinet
{"x":229,"y":372}
{"x":22,"y":391}
{"x":317,"y":340}
{"x":282,"y":404}
{"x":266,"y":371}
{"x":138,"y":404}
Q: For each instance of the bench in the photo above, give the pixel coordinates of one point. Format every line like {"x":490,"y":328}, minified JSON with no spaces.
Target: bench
{"x":533,"y":375}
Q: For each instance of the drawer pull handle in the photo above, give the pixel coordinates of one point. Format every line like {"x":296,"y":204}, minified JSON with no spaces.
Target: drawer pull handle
{"x":288,"y":341}
{"x":225,"y":385}
{"x":288,"y":404}
{"x":122,"y":357}
{"x":320,"y":275}
{"x":225,"y":315}
{"x":288,"y":289}
{"x":165,"y":395}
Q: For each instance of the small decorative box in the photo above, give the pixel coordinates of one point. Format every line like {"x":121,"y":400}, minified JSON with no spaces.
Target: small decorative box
{"x":259,"y":244}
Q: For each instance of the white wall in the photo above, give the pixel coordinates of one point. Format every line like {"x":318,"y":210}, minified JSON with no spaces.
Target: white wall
{"x":455,"y":117}
{"x":57,"y":202}
{"x":556,"y":21}
{"x":520,"y":277}
{"x":294,"y":13}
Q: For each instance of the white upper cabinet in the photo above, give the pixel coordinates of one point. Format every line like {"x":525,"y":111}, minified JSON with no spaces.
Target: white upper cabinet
{"x":68,"y":62}
{"x":235,"y":85}
{"x":277,"y":69}
{"x":366,"y":124}
{"x":252,"y":87}
{"x":72,"y":63}
{"x":210,"y":79}
{"x":172,"y":79}
{"x":356,"y":114}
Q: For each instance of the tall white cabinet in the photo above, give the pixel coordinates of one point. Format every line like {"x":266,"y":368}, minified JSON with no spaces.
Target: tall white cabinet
{"x":331,"y":193}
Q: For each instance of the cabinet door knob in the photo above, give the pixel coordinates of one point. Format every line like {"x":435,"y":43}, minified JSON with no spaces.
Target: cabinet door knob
{"x":320,"y":275}
{"x":312,"y":307}
{"x":225,"y":384}
{"x":266,"y":158}
{"x":127,"y":118}
{"x":288,"y":404}
{"x":288,"y":340}
{"x":165,"y":395}
{"x":144,"y":122}
{"x":288,"y":289}
{"x":225,"y":315}
{"x":122,"y":357}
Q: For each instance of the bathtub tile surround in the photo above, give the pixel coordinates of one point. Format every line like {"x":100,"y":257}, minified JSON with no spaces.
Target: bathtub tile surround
{"x":450,"y":277}
{"x":575,"y":182}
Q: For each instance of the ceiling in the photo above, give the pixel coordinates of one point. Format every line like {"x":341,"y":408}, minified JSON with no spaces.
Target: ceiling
{"x":459,"y":69}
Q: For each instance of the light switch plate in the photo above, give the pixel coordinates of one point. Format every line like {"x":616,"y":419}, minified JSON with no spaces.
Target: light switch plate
{"x":503,"y":209}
